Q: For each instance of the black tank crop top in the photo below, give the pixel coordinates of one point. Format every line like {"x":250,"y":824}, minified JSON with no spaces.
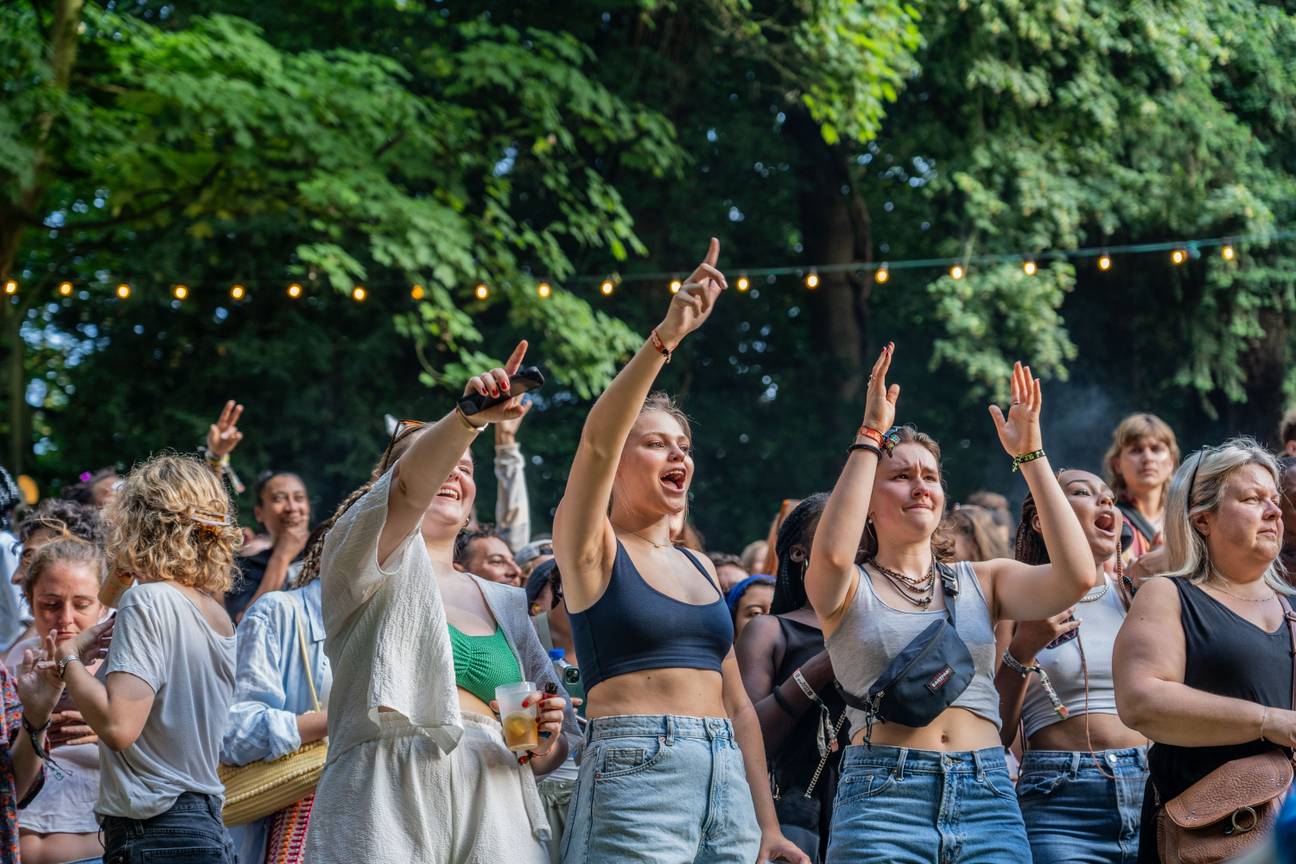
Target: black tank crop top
{"x":634,"y":627}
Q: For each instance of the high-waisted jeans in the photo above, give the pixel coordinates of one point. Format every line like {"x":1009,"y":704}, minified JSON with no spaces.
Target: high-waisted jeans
{"x":1079,"y":813}
{"x":903,"y":806}
{"x":661,"y":790}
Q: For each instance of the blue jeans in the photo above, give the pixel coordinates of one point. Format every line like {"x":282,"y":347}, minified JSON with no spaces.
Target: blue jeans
{"x":661,"y":790}
{"x":903,"y":806}
{"x":1074,"y":813}
{"x":190,"y":832}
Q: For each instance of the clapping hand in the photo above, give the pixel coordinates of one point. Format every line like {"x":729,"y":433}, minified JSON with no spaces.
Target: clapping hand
{"x":692,"y":304}
{"x":1019,"y":433}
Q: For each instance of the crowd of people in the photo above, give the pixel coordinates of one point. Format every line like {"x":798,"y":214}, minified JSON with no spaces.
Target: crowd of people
{"x":1104,"y":676}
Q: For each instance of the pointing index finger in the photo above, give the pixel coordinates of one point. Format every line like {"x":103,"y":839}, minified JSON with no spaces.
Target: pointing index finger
{"x":515,"y":359}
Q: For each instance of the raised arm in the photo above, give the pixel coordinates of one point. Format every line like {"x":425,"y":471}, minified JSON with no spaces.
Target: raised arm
{"x":1152,"y":698}
{"x":512,"y":503}
{"x":1021,"y":591}
{"x":831,"y":571}
{"x":583,"y":539}
{"x":222,"y":437}
{"x":422,"y":470}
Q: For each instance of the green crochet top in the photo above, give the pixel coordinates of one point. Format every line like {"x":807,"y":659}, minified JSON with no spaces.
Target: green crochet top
{"x":482,"y":663}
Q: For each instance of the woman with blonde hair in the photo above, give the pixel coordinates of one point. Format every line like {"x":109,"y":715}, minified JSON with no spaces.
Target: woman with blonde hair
{"x":168,"y":681}
{"x":1142,"y":456}
{"x":1203,"y":664}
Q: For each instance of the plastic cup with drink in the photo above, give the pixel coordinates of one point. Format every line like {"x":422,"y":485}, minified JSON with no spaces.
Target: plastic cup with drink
{"x":521,"y":729}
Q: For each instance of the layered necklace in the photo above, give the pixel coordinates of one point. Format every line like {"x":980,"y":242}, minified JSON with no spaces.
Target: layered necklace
{"x":918,"y":590}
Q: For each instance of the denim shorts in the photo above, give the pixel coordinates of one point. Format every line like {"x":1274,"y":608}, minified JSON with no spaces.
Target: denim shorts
{"x":661,"y":790}
{"x":190,"y":832}
{"x":1074,"y":813}
{"x":903,"y":806}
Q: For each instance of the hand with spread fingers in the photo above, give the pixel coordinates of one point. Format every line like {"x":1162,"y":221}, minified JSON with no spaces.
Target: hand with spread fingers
{"x":1019,"y":432}
{"x":692,"y":304}
{"x":496,"y":383}
{"x":224,"y":435}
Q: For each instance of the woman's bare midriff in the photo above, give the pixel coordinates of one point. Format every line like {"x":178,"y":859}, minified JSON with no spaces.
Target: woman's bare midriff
{"x":955,"y":730}
{"x":681,"y":692}
{"x":468,"y":704}
{"x":52,"y":848}
{"x":1106,"y":732}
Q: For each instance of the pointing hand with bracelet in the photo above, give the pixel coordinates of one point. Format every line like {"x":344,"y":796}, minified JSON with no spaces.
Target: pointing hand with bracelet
{"x":1019,"y":432}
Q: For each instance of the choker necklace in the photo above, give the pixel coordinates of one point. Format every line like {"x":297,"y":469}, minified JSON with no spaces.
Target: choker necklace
{"x":918,"y":591}
{"x":652,"y":543}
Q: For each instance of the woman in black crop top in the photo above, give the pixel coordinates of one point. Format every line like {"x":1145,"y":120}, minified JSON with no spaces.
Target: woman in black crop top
{"x":771,"y":651}
{"x":674,"y":769}
{"x":1203,"y":664}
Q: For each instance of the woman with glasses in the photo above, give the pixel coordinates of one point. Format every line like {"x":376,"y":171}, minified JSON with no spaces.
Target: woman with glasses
{"x":1203,"y":665}
{"x":938,"y":791}
{"x":417,"y":768}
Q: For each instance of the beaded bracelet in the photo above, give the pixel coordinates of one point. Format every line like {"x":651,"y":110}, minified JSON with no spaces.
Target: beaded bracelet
{"x":1017,"y":666}
{"x":1022,"y":458}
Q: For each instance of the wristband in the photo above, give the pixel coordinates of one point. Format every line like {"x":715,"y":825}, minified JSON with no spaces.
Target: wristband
{"x":1022,"y":458}
{"x":870,"y":433}
{"x":861,"y":445}
{"x":659,"y":346}
{"x":805,"y":687}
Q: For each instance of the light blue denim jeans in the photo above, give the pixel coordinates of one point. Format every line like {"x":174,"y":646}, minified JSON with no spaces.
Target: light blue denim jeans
{"x":1075,"y":813}
{"x":661,"y":790}
{"x":903,"y":806}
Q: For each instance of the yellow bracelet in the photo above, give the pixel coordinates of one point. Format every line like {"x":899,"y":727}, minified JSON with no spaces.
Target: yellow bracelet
{"x":468,"y":424}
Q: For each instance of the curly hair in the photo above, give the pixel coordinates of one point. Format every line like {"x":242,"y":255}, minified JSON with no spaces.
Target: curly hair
{"x":173,"y":521}
{"x":64,"y":518}
{"x":464,"y":540}
{"x":70,"y":550}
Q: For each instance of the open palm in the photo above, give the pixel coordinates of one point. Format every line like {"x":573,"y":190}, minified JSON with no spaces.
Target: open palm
{"x":1019,"y":432}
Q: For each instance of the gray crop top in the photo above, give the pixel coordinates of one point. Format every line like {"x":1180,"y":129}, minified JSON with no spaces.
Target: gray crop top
{"x":871,"y":633}
{"x":1100,"y":620}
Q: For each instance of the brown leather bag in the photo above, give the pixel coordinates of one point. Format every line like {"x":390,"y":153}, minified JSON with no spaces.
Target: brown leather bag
{"x":1232,"y":808}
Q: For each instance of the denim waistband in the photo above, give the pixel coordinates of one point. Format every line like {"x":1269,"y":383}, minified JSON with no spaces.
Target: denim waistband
{"x":666,"y":726}
{"x":187,"y":802}
{"x":905,"y":760}
{"x":1075,"y":762}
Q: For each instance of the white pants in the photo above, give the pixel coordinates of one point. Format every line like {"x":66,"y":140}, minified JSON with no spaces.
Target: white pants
{"x":399,"y":798}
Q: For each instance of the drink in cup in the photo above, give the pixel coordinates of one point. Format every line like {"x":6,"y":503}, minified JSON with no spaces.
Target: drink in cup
{"x":521,"y":730}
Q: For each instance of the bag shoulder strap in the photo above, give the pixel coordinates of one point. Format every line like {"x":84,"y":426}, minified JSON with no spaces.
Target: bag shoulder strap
{"x":305,"y":656}
{"x":1291,"y":633}
{"x":949,"y":583}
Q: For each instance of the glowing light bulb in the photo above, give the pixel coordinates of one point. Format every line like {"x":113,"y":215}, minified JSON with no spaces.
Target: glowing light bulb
{"x":180,"y":292}
{"x":481,"y":291}
{"x":743,"y":282}
{"x":65,"y":289}
{"x":1029,"y":268}
{"x":1104,"y":262}
{"x":11,"y":287}
{"x":957,"y":272}
{"x":123,"y":291}
{"x":882,"y":276}
{"x":358,"y":293}
{"x":812,"y":280}
{"x":544,"y":290}
{"x":294,"y":290}
{"x":675,"y":286}
{"x":606,"y":287}
{"x":1179,"y":256}
{"x":1228,"y":253}
{"x":237,"y":291}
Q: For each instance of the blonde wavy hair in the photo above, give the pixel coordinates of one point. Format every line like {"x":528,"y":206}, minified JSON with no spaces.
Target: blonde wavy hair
{"x":173,"y":521}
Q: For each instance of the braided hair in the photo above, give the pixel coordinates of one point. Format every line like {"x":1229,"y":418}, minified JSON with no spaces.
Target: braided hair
{"x":1030,"y":548}
{"x":798,"y":529}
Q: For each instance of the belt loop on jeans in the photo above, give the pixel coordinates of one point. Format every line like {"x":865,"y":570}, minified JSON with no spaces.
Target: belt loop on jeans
{"x":670,"y":729}
{"x":898,"y":770}
{"x":978,"y":765}
{"x":1074,"y":770}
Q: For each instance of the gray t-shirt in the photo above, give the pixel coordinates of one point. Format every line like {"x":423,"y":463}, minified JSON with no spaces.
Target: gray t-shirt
{"x":162,"y":638}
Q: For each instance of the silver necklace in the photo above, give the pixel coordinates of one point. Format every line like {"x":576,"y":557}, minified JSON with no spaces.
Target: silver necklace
{"x":1096,"y":594}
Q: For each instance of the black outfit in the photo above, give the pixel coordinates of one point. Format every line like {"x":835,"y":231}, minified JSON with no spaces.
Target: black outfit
{"x":251,"y":571}
{"x":1228,"y":656}
{"x":793,"y":766}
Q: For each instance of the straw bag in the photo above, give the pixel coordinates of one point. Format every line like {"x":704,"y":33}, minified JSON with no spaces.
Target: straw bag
{"x":255,"y":791}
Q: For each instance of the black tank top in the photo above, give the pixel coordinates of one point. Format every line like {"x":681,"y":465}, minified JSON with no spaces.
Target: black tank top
{"x":633,"y":627}
{"x":1227,"y":655}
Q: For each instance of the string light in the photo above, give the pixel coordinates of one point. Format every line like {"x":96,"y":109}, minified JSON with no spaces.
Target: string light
{"x":294,"y":290}
{"x":237,"y":291}
{"x":812,"y":280}
{"x":1179,"y":256}
{"x":11,"y":287}
{"x":123,"y":291}
{"x":481,"y":291}
{"x":882,"y":276}
{"x":1028,"y":267}
{"x":180,"y":292}
{"x":358,"y":293}
{"x":1228,"y":253}
{"x":606,"y":287}
{"x":1104,"y":262}
{"x":957,"y":272}
{"x":544,"y":290}
{"x":675,"y":286}
{"x":65,"y":289}
{"x":743,"y":282}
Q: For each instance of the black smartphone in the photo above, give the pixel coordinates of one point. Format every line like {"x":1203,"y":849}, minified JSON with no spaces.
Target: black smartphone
{"x":523,"y":381}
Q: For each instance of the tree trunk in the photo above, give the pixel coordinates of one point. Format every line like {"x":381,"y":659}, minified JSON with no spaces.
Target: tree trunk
{"x":1265,"y":367}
